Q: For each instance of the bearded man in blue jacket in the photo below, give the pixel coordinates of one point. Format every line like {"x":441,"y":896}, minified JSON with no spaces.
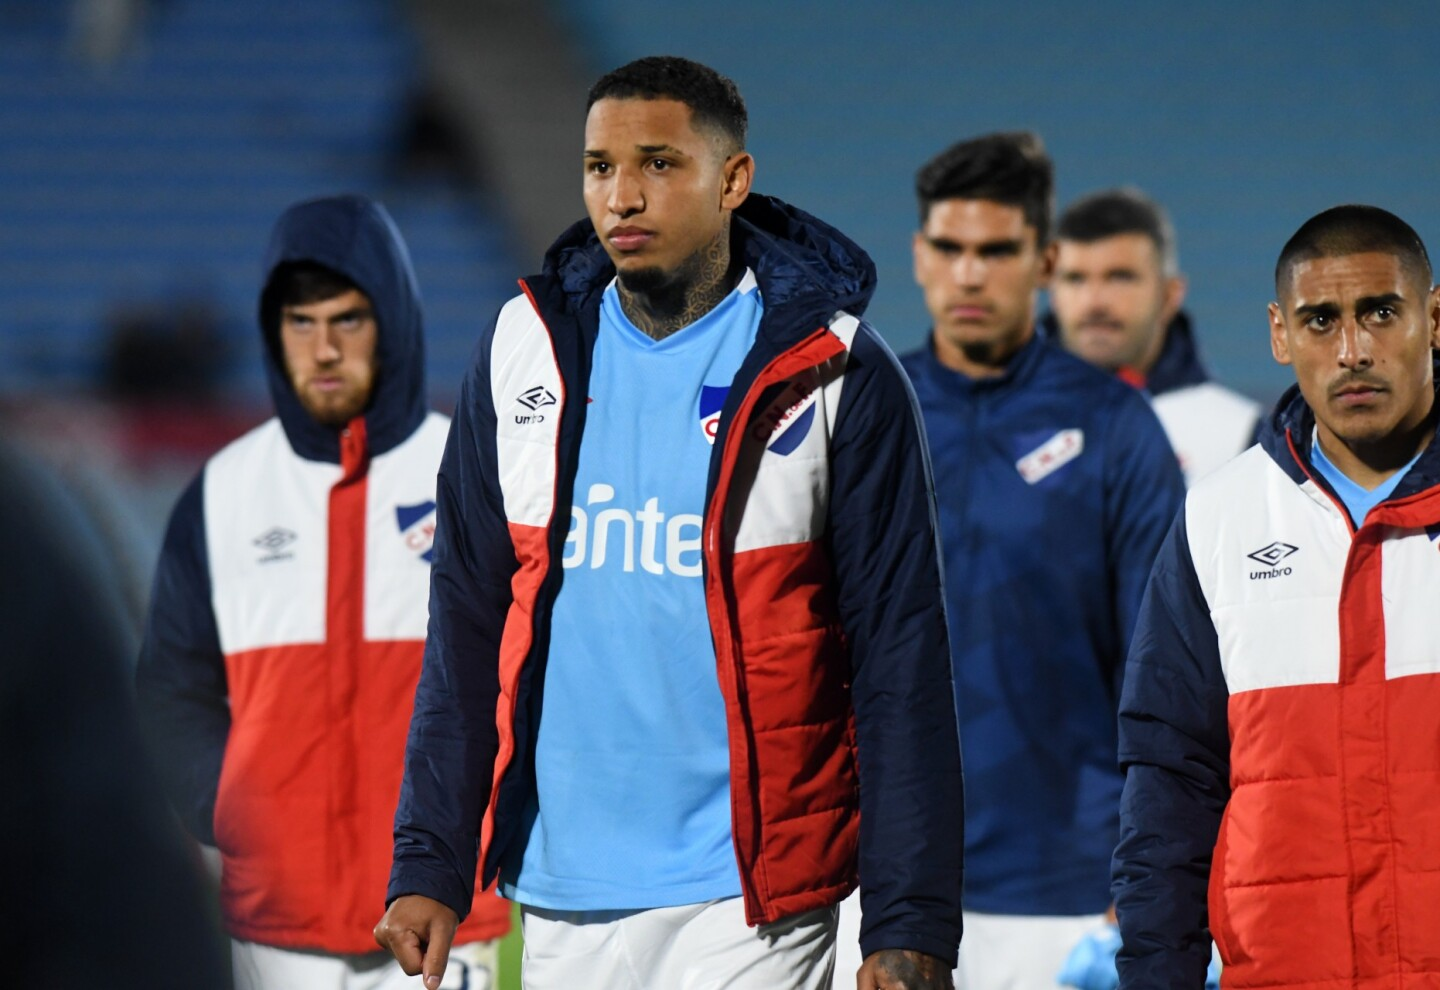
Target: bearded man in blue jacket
{"x":686,"y":665}
{"x":1056,"y":485}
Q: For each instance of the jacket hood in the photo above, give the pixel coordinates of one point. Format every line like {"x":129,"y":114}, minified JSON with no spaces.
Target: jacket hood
{"x":1293,"y":421}
{"x":1179,"y":364}
{"x":356,"y":238}
{"x":800,"y":262}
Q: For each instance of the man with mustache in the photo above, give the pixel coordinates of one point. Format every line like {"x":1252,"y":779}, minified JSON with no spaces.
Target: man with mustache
{"x":686,"y":677}
{"x":1280,"y":724}
{"x":1117,"y":295}
{"x":288,"y":616}
{"x":1055,"y":486}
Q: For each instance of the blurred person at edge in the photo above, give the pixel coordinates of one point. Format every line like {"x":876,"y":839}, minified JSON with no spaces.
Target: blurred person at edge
{"x":1116,"y":299}
{"x":1055,"y":486}
{"x":1280,"y":725}
{"x":288,"y":617}
{"x":687,"y":543}
{"x":92,"y":851}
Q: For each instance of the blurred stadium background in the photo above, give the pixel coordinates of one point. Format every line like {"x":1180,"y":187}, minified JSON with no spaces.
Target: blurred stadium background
{"x":147,"y":145}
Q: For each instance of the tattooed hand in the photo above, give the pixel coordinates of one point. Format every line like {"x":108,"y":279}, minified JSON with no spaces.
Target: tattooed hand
{"x":901,"y":969}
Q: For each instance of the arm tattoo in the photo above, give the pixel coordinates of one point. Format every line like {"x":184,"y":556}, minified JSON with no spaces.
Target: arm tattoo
{"x":913,"y":970}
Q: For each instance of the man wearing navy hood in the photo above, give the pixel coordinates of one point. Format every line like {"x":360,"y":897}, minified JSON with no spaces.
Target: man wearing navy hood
{"x":288,"y":614}
{"x":686,"y":673}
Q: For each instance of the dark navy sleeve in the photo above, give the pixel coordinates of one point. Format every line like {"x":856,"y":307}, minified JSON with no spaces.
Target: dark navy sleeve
{"x":180,"y":677}
{"x":453,"y":740}
{"x":91,"y":848}
{"x":1175,"y":751}
{"x":1143,"y":490}
{"x":884,"y":540}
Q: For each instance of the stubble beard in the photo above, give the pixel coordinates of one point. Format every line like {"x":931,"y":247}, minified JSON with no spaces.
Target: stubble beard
{"x":333,"y":410}
{"x":334,"y":413}
{"x":990,"y":347}
{"x":644,"y":281}
{"x":660,"y":302}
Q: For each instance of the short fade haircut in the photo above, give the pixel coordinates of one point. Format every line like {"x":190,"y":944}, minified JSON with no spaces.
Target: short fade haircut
{"x":1353,"y":229}
{"x":1010,"y":168}
{"x":714,"y":101}
{"x":1126,"y":210}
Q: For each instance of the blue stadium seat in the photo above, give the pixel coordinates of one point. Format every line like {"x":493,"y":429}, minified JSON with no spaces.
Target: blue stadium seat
{"x":157,"y":177}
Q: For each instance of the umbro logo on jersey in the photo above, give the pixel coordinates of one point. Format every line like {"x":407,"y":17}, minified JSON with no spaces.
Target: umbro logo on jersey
{"x":1051,"y":456}
{"x":1271,"y":556}
{"x":275,"y":541}
{"x":1433,"y":532}
{"x":417,"y":528}
{"x":534,"y":399}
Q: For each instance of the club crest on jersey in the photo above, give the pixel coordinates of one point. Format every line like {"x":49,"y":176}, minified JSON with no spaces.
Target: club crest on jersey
{"x":417,"y":529}
{"x":787,"y":419}
{"x":712,"y":400}
{"x":1051,"y":456}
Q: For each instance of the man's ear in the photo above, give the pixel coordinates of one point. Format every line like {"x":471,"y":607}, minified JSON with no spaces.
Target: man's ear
{"x":1175,"y":289}
{"x":1279,"y":340}
{"x":1048,"y":257}
{"x":1433,"y":315}
{"x":739,"y":175}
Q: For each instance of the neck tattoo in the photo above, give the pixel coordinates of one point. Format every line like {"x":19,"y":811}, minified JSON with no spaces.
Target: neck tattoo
{"x":696,"y":288}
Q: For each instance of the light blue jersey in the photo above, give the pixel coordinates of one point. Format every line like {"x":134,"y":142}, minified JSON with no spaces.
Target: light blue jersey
{"x":632,"y":804}
{"x":1358,"y":501}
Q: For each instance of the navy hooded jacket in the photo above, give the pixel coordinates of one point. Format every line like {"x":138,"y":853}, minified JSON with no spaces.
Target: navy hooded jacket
{"x":822,"y":586}
{"x":288,"y":615}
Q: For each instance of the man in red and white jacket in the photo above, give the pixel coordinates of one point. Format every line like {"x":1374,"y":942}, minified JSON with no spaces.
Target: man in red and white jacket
{"x":289,"y":611}
{"x":1280,"y":722}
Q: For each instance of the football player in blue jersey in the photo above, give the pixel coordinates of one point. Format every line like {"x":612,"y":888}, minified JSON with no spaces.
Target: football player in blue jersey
{"x":686,"y":621}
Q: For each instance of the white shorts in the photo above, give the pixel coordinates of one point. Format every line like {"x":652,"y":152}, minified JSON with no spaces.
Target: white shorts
{"x":472,"y":966}
{"x":997,"y":951}
{"x":847,"y":943}
{"x":1018,"y":952}
{"x":691,"y":947}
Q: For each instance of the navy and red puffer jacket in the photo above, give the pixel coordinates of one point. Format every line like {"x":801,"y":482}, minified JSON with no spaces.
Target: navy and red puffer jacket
{"x":821,"y":578}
